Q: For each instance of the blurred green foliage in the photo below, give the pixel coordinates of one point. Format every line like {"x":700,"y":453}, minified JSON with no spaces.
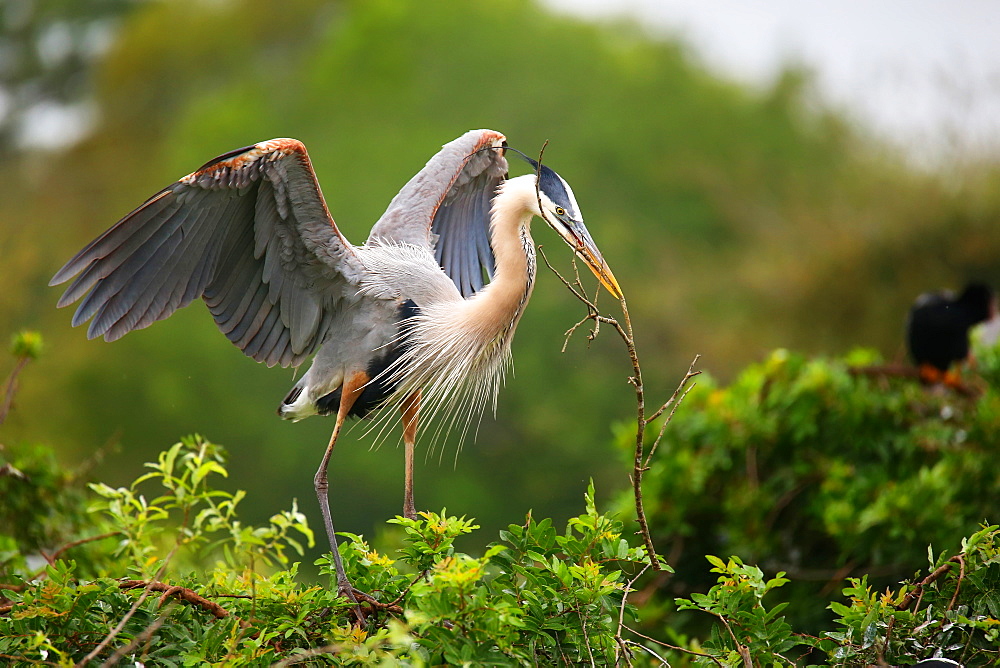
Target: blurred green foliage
{"x":737,"y":221}
{"x":26,"y":344}
{"x":49,"y":50}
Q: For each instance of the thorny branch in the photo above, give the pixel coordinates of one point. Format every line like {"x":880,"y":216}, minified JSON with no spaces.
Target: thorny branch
{"x":642,"y":458}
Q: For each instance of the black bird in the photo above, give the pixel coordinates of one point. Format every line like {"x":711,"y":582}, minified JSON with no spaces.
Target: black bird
{"x":937,"y":330}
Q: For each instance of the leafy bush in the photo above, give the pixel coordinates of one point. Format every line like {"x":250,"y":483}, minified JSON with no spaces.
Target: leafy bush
{"x":821,"y":469}
{"x":163,"y":572}
{"x":186,"y":583}
{"x":227,"y":592}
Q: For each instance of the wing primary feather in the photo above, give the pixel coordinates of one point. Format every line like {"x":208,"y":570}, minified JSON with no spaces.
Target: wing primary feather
{"x":231,"y":217}
{"x":470,"y":256}
{"x":273,"y":330}
{"x":229,"y":316}
{"x":446,"y":233}
{"x":98,"y":261}
{"x":230,"y":291}
{"x":235,"y":255}
{"x":280,"y":349}
{"x":467,"y":248}
{"x":144,"y":260}
{"x":145,"y":295}
{"x":250,"y":321}
{"x":265,"y":216}
{"x":261,"y":333}
{"x":189,"y":263}
{"x":484,"y":247}
{"x":136,"y":222}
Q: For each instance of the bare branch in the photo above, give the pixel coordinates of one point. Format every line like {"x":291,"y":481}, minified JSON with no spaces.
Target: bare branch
{"x":621,"y":614}
{"x":918,"y":591}
{"x":11,"y":387}
{"x":182,"y":593}
{"x":673,"y":647}
{"x":691,"y":373}
{"x":579,"y":294}
{"x":572,"y":330}
{"x":663,"y":662}
{"x":140,"y":638}
{"x":674,"y":402}
{"x":76,"y":543}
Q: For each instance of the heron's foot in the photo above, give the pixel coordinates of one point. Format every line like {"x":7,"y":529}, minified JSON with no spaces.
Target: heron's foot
{"x":410,"y":512}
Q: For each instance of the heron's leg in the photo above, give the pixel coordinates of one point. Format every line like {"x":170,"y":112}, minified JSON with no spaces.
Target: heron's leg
{"x":349,"y":393}
{"x":410,"y":407}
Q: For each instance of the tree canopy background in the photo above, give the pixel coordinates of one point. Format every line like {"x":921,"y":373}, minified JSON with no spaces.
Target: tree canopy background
{"x":737,"y":221}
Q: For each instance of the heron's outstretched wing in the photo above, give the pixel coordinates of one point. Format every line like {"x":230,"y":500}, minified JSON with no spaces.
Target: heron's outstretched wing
{"x":249,"y":232}
{"x":447,"y":206}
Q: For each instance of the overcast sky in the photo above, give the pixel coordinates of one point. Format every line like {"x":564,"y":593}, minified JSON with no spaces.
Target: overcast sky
{"x":925,"y":73}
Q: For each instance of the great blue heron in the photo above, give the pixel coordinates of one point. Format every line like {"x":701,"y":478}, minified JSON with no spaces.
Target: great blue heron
{"x":405,"y":320}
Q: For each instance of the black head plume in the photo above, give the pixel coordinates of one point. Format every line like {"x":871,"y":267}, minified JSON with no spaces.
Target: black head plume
{"x":550,"y":183}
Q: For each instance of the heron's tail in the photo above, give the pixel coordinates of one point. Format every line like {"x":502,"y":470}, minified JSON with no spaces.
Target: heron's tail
{"x":297,"y":404}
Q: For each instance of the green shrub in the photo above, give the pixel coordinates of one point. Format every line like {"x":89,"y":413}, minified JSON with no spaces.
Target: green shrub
{"x":185,"y":571}
{"x":800,"y":458}
{"x":822,"y":469}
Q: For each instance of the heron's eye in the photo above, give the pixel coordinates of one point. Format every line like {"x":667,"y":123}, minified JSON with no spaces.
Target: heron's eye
{"x":560,"y":211}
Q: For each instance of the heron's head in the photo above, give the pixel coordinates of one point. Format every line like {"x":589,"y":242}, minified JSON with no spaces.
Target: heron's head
{"x":559,"y":209}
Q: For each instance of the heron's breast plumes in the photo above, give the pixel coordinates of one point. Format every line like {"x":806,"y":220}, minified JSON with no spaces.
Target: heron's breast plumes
{"x":457,"y":357}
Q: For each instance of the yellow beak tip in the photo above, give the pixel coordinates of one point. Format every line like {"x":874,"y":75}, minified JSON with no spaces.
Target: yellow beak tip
{"x":611,"y":284}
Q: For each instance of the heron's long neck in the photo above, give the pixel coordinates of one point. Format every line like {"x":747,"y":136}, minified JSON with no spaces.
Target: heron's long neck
{"x":505,"y":298}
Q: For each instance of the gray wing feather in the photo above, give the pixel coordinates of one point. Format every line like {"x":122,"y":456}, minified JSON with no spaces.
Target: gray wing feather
{"x":249,"y":232}
{"x":462,"y":228}
{"x":446,"y":206}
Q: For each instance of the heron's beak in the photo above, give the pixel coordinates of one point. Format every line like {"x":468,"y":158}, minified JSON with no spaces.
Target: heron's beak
{"x":577,"y":236}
